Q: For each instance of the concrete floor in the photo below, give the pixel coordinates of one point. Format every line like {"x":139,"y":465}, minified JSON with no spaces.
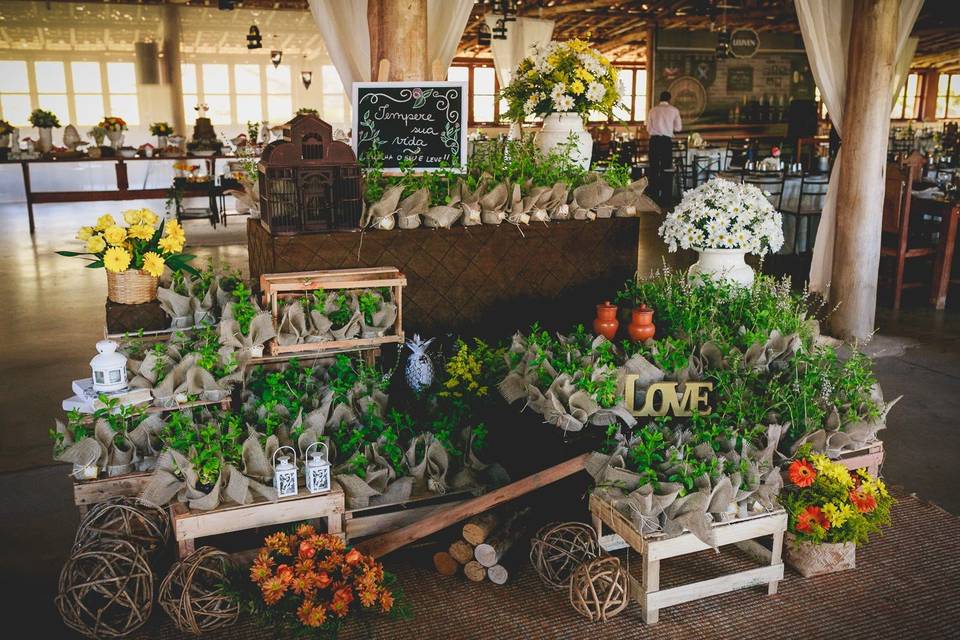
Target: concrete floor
{"x":54,"y":314}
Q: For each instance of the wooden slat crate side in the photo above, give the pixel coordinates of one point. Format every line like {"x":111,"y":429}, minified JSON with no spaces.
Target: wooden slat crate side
{"x":869,"y":458}
{"x":89,"y":492}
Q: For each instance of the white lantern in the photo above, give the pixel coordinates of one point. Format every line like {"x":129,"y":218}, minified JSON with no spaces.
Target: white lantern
{"x":109,"y":368}
{"x":285,"y":473}
{"x":317,"y":468}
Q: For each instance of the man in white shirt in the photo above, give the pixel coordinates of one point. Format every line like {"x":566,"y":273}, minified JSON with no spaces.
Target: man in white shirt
{"x":663,"y":121}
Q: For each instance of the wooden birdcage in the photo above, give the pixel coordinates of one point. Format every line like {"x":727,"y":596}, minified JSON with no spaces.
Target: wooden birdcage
{"x":309,"y":182}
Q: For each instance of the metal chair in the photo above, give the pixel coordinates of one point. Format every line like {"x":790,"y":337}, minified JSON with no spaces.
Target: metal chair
{"x":770,"y":183}
{"x":809,"y":204}
{"x":736,"y":154}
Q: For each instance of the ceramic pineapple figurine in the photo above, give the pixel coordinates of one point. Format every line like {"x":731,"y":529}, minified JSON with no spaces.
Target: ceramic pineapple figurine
{"x":419,"y":371}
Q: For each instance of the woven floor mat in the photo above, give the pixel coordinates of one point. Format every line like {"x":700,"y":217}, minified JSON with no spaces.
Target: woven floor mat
{"x":906,"y":585}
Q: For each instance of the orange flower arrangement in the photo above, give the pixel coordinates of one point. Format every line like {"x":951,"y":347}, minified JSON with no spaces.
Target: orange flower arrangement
{"x":313,"y":580}
{"x":810,"y":518}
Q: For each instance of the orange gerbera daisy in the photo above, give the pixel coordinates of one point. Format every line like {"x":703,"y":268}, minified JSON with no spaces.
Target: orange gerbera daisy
{"x":260,"y":571}
{"x":340,"y":608}
{"x":353,"y":556}
{"x":863,"y":501}
{"x":302,"y":585}
{"x":368,"y":597}
{"x":305,"y":530}
{"x":311,"y":615}
{"x":809,"y":517}
{"x":278,"y":542}
{"x":304,"y":566}
{"x":273,"y":589}
{"x":801,"y":473}
{"x":386,"y":600}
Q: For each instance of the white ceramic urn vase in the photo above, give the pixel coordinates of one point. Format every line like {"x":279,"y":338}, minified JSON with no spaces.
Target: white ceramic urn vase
{"x":45,"y":141}
{"x":725,"y":264}
{"x":556,"y":130}
{"x":116,"y":137}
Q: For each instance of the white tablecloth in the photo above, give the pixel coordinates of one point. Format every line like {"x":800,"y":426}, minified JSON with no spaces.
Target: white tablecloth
{"x":710,"y":158}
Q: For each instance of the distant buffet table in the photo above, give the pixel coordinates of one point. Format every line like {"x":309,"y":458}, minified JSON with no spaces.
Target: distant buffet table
{"x":122,"y":190}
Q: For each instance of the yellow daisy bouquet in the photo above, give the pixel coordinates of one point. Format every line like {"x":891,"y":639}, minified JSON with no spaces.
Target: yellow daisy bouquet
{"x":562,"y":77}
{"x":140,"y":244}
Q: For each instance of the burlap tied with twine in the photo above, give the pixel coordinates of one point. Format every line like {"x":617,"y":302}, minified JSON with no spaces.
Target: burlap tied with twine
{"x":589,"y":200}
{"x":380,"y":215}
{"x":469,"y":200}
{"x":260,"y":332}
{"x":411,"y":208}
{"x":630,"y":200}
{"x":492,"y":205}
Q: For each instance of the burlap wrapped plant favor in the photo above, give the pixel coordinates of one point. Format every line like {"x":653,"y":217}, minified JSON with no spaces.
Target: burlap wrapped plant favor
{"x":441,"y":216}
{"x":260,"y":332}
{"x":557,"y":206}
{"x":429,"y":468}
{"x":412,"y":207}
{"x":469,"y":200}
{"x":147,"y":371}
{"x":380,"y":215}
{"x":492,"y":205}
{"x":82,"y":453}
{"x":177,"y":306}
{"x":515,"y":213}
{"x":147,"y":441}
{"x":205,"y":306}
{"x":293,"y":327}
{"x":588,"y":198}
{"x":188,"y":380}
{"x":537,"y":202}
{"x":381,"y":320}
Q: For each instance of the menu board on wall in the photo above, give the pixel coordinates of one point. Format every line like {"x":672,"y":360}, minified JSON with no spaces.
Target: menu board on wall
{"x":424,"y":123}
{"x":708,"y":90}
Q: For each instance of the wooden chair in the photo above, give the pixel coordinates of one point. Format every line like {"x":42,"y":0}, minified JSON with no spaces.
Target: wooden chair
{"x":809,"y":204}
{"x":735,"y":155}
{"x":897,"y":241}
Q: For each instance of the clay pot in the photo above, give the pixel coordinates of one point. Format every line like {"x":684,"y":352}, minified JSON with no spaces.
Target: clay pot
{"x":641,"y":326}
{"x":606,"y":323}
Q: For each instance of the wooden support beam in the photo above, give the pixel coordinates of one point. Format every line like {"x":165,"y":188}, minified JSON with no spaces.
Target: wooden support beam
{"x":398,"y":31}
{"x":382,"y":545}
{"x":866,"y":120}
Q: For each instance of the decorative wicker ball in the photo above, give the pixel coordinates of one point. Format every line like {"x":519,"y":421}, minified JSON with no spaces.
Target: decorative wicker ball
{"x":106,"y":589}
{"x":599,"y":588}
{"x":132,"y":519}
{"x":192,"y":594}
{"x":558,"y":549}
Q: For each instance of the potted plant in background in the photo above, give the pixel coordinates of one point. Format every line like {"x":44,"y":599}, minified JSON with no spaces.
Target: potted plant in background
{"x":563,"y":82}
{"x":114,"y":127}
{"x":45,"y":122}
{"x":161,"y":130}
{"x":135,"y":255}
{"x":5,"y":130}
{"x":831,"y":511}
{"x":723,"y":221}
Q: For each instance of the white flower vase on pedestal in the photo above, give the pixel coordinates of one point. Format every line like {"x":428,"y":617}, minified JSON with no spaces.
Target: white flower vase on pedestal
{"x":722,"y":264}
{"x":116,"y":137}
{"x":556,"y":130}
{"x":45,"y":142}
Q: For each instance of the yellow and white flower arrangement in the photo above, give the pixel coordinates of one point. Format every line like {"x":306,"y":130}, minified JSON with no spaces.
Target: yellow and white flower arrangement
{"x":562,"y":77}
{"x":142,"y":244}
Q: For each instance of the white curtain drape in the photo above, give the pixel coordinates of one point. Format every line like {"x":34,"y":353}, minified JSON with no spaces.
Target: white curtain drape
{"x":521,"y":36}
{"x":825,"y":25}
{"x":446,"y":21}
{"x":345,"y":30}
{"x":903,"y":66}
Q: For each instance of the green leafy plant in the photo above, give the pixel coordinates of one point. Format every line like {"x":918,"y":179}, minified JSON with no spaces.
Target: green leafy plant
{"x":42,"y":119}
{"x":243,"y":310}
{"x":369,"y":304}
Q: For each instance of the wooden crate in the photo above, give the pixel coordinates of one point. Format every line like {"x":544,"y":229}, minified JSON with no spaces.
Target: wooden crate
{"x":869,"y":458}
{"x":275,"y":286}
{"x":90,"y":492}
{"x":656,"y":547}
{"x":188,"y":525}
{"x":377,"y":519}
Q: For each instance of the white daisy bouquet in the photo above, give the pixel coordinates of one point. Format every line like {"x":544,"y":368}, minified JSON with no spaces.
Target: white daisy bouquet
{"x":562,"y":77}
{"x":721,"y":214}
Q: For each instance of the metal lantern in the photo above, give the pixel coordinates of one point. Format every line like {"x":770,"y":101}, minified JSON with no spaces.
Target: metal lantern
{"x":285,"y":473}
{"x":316,"y":469}
{"x":109,"y":368}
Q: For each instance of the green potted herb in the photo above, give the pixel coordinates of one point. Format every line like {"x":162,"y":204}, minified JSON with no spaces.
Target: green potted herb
{"x":162,"y":130}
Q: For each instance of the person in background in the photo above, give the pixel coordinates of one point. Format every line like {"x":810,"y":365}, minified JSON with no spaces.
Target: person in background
{"x":663,"y":122}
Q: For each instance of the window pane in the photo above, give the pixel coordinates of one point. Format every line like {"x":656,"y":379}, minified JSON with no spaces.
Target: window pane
{"x":13,"y":76}
{"x":641,"y":82}
{"x":125,"y":106}
{"x":189,"y":102}
{"x":58,"y":104}
{"x":596,"y":116}
{"x":219,"y":112}
{"x":483,"y":108}
{"x":86,"y":77}
{"x":640,"y":107}
{"x":50,"y":77}
{"x":215,"y":79}
{"x":458,"y":74}
{"x":279,"y":108}
{"x":941,"y":107}
{"x":333,"y":109}
{"x":483,"y":81}
{"x":247,"y":78}
{"x":121,"y":77}
{"x":16,"y":109}
{"x":953,"y":107}
{"x":331,"y":80}
{"x":249,"y":108}
{"x":943,"y":82}
{"x":278,"y":79}
{"x":621,"y":113}
{"x":188,"y":78}
{"x":89,"y":109}
{"x":625,"y":77}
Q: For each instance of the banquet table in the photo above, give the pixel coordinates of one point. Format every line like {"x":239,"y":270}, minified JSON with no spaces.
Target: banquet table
{"x":122,"y":191}
{"x":948,"y":210}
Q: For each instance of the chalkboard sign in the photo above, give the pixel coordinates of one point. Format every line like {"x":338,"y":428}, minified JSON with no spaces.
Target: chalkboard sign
{"x":424,"y":122}
{"x":740,"y":79}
